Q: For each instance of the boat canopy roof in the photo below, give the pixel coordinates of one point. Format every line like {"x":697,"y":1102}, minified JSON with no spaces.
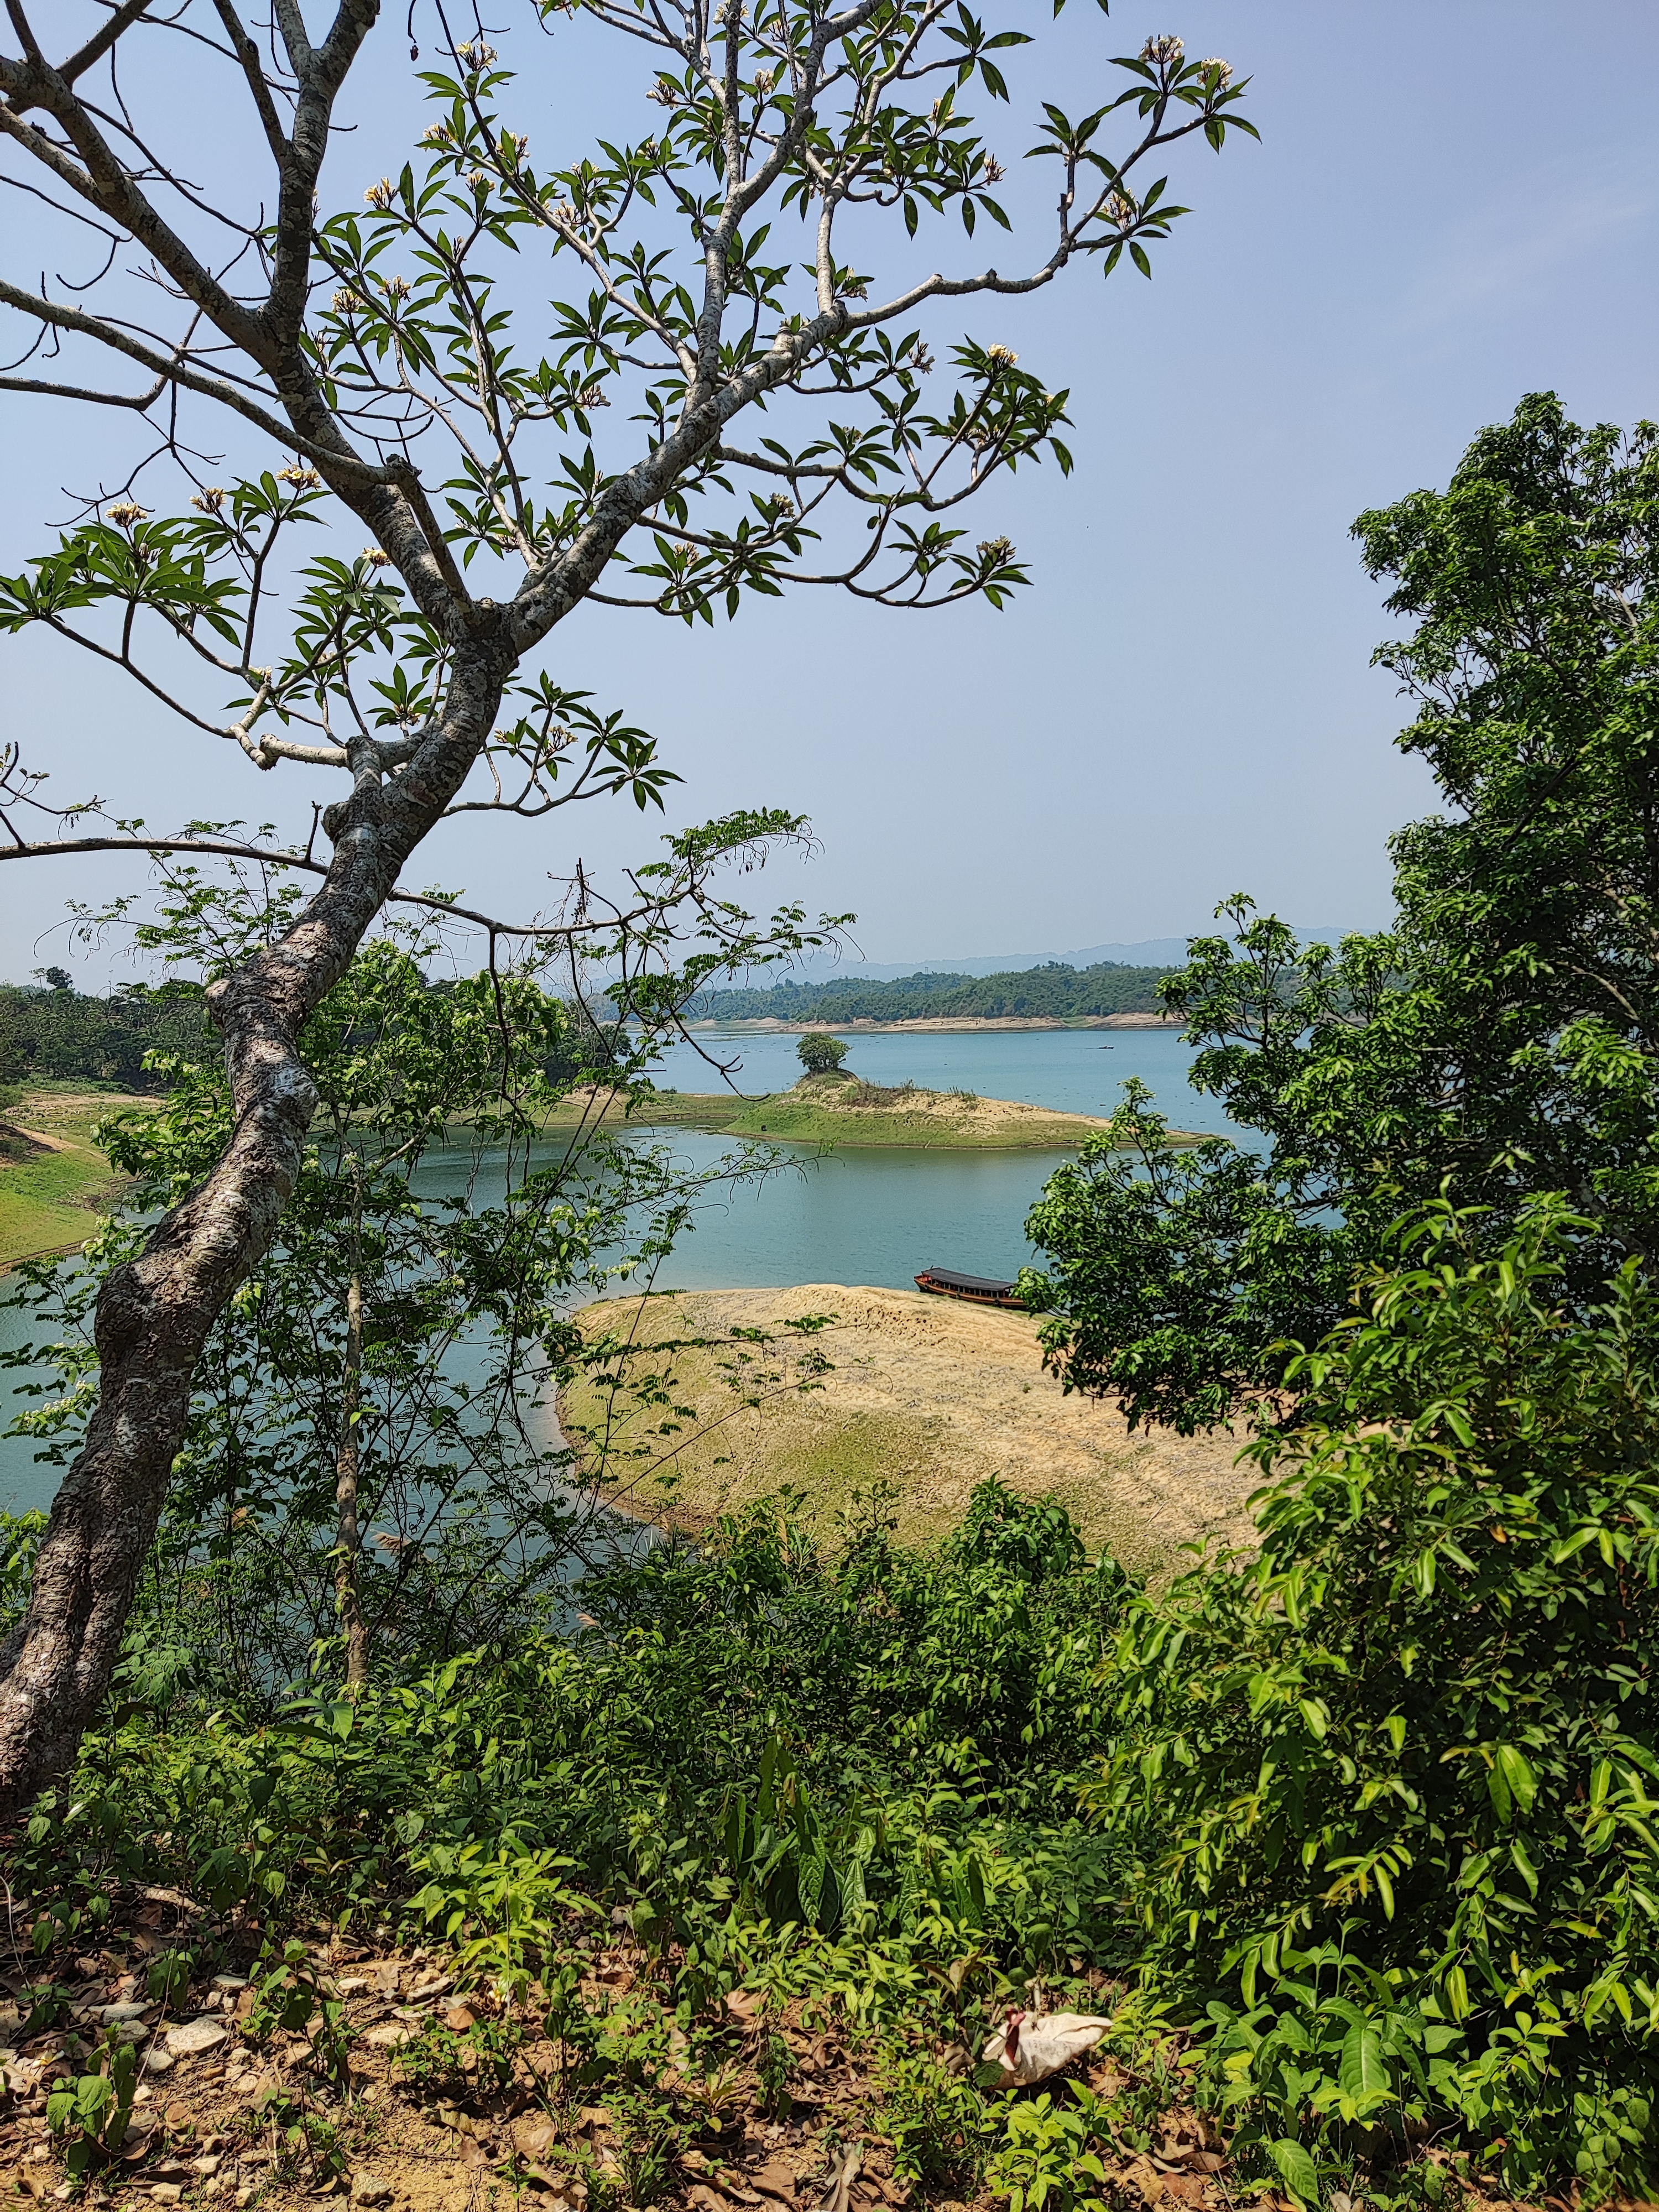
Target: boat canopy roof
{"x":957,"y":1282}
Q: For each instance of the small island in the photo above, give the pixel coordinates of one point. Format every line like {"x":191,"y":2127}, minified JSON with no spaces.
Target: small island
{"x":836,"y":1107}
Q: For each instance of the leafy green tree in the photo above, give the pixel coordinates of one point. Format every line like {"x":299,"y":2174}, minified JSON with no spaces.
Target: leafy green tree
{"x":1171,"y":1271}
{"x":1502,"y":1039}
{"x":372,"y":1463}
{"x":820,"y":1054}
{"x":57,"y":1033}
{"x":368,"y":341}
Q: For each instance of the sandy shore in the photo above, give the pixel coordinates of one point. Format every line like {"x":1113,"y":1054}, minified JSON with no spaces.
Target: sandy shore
{"x":839,"y":1110}
{"x":960,"y":1025}
{"x":927,"y":1395}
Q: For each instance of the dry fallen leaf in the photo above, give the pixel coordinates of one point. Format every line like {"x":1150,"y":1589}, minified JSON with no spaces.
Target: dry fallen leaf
{"x":532,"y":2135}
{"x":841,"y":2186}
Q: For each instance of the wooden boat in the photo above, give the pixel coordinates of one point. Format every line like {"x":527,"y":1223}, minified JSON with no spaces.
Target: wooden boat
{"x":982,"y":1290}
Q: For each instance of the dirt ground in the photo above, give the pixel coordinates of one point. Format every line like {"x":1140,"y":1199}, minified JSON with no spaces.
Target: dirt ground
{"x":242,"y":2117}
{"x":775,"y":2110}
{"x":928,"y":1395}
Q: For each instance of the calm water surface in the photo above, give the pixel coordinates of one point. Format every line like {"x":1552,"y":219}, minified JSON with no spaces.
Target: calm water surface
{"x":1074,"y":1071}
{"x":852,"y":1216}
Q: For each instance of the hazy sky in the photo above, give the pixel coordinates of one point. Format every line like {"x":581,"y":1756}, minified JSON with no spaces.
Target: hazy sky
{"x":1454,"y":204}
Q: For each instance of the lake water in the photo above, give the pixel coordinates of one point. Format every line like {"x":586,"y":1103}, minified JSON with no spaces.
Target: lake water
{"x":1074,"y":1071}
{"x":853,"y":1216}
{"x":858,"y":1216}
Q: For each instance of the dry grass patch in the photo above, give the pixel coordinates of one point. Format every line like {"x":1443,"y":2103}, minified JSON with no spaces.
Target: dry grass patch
{"x":925,"y":1395}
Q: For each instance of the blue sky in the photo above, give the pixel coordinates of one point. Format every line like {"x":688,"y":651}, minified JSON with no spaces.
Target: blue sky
{"x":1454,"y":204}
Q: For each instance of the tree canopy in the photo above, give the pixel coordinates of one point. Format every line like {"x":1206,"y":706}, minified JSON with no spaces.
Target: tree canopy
{"x":1053,"y":991}
{"x":1500,"y":1040}
{"x":821,"y":1055}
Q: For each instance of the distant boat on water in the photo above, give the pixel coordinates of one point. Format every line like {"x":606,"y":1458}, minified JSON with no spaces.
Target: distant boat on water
{"x":980,"y":1290}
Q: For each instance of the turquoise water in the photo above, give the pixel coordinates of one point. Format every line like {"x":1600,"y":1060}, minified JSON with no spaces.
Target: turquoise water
{"x":879,"y":1217}
{"x":1074,"y":1071}
{"x":853,"y":1216}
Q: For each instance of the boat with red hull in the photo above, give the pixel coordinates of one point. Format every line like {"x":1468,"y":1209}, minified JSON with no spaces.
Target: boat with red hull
{"x":978,"y":1290}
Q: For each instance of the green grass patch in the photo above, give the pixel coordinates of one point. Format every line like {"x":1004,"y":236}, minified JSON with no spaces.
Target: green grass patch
{"x":53,"y":1177}
{"x":821,"y":1112}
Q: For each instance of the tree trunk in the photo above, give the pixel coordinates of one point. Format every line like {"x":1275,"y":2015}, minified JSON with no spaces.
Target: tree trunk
{"x":349,"y":1540}
{"x":154,"y":1313}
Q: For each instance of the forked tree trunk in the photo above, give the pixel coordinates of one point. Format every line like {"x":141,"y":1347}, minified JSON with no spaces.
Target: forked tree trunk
{"x":154,"y":1313}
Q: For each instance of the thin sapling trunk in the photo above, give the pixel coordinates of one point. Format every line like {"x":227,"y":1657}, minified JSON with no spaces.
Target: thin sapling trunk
{"x":347,"y":1459}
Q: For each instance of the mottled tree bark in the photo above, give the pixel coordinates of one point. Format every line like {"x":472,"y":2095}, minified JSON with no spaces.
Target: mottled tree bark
{"x":154,"y":1313}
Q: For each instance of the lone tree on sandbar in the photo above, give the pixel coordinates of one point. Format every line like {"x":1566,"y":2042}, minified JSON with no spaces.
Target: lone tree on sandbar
{"x":820,"y":1054}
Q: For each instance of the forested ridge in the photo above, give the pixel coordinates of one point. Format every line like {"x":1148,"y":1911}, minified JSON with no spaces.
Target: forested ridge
{"x":138,"y":1038}
{"x":1053,"y":991}
{"x":58,"y":1034}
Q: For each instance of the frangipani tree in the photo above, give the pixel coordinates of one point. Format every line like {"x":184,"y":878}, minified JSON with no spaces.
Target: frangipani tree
{"x":372,"y":354}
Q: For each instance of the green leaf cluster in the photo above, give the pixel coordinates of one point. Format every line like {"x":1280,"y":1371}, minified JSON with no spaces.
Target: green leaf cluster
{"x":1393,"y":1781}
{"x":1499,"y":1040}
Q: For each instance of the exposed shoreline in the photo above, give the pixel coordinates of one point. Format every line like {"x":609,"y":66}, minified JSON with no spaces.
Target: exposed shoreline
{"x":945,"y":1025}
{"x":928,"y":1396}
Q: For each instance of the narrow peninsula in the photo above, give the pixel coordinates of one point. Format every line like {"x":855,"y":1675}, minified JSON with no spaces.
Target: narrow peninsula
{"x":841,"y":1109}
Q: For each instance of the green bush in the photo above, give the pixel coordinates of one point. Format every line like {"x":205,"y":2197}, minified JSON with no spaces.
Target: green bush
{"x":1392,"y":1784}
{"x":1368,"y":1817}
{"x":862,"y":1751}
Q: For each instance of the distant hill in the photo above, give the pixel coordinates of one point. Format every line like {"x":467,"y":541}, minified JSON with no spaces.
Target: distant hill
{"x":1148,"y":952}
{"x":1055,"y":992}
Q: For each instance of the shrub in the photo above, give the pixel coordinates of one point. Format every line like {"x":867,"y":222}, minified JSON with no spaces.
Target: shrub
{"x":1392,"y":1785}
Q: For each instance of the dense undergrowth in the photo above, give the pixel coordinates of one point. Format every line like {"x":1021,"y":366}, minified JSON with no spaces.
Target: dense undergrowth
{"x":1362,"y":1830}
